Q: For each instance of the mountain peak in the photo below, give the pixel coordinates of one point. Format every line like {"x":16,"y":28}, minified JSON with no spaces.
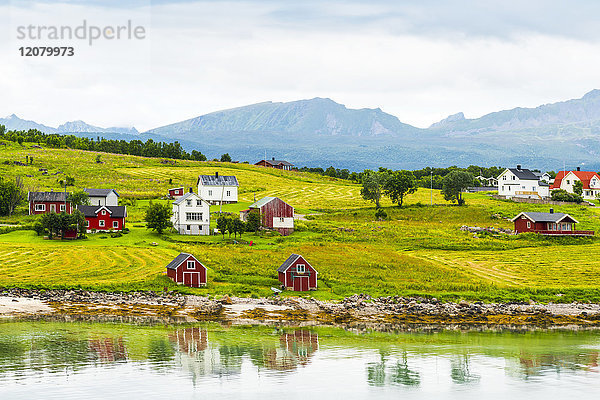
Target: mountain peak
{"x":448,"y":120}
{"x":592,"y":94}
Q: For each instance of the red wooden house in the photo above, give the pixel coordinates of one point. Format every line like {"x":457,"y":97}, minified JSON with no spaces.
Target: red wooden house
{"x":278,"y":164}
{"x":274,"y":214}
{"x":186,"y":269}
{"x":297,"y":274}
{"x":47,"y":202}
{"x":555,"y":224}
{"x":175,"y":193}
{"x":104,"y":218}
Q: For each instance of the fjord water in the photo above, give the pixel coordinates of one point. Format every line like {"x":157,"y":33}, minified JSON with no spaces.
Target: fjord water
{"x":53,"y":360}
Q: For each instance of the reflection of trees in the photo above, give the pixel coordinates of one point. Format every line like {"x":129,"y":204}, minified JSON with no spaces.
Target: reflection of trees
{"x":160,"y":352}
{"x":460,"y":371}
{"x":398,"y":373}
{"x":295,"y":349}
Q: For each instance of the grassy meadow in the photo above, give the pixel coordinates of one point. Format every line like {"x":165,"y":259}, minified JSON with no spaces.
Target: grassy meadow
{"x":418,"y":250}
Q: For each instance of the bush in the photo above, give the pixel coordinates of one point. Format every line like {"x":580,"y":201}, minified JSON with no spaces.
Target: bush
{"x":563,"y":195}
{"x":116,"y":234}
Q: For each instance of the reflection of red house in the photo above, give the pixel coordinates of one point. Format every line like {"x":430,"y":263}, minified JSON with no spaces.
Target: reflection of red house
{"x":190,"y":340}
{"x":108,"y":349}
{"x":186,"y":269}
{"x":104,"y":218}
{"x":296,"y":349}
{"x":47,"y":202}
{"x":176,"y":192}
{"x":297,"y":274}
{"x":555,"y":224}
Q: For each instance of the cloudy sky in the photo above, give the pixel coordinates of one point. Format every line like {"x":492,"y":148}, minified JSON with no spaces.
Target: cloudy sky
{"x":419,"y":60}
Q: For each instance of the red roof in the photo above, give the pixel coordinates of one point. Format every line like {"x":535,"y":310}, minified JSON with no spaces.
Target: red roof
{"x":584,"y":176}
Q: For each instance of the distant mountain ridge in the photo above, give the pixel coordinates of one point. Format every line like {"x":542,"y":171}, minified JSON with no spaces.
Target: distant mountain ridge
{"x":321,"y":132}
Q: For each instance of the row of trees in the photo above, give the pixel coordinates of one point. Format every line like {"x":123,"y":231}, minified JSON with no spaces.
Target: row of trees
{"x":53,"y":224}
{"x":398,"y":184}
{"x":149,"y":148}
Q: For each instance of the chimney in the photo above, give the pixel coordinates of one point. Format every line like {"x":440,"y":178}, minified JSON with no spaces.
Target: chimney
{"x":519,"y":167}
{"x":216,"y":174}
{"x":273,"y":159}
{"x":191,"y":190}
{"x":552,"y":211}
{"x":578,"y":168}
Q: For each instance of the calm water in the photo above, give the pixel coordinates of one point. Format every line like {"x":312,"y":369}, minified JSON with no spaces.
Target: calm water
{"x":98,"y":361}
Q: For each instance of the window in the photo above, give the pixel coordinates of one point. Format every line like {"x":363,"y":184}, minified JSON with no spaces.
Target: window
{"x":513,"y":177}
{"x":193,"y":216}
{"x":568,"y":182}
{"x":198,"y":203}
{"x":63,"y":207}
{"x":116,"y":224}
{"x":528,"y":224}
{"x":300,"y":268}
{"x":504,"y":178}
{"x":281,"y":219}
{"x":52,"y":207}
{"x":87,"y":223}
{"x":189,"y":227}
{"x":188,"y":203}
{"x":40,"y":207}
{"x":522,"y":187}
{"x":103,"y":212}
{"x":101,"y":223}
{"x":228,"y":193}
{"x":210,"y":192}
{"x":533,"y":188}
{"x":191,"y":265}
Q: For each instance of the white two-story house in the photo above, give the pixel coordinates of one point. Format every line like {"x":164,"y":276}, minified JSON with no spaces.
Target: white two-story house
{"x":103,"y":197}
{"x":520,"y":182}
{"x":590,"y":180}
{"x":218,"y":189}
{"x":191,"y":215}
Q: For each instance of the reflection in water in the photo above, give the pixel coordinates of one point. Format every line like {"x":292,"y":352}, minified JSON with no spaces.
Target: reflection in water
{"x":295,"y":349}
{"x":108,"y":349}
{"x":460,"y":371}
{"x":537,"y":364}
{"x":394,"y":372}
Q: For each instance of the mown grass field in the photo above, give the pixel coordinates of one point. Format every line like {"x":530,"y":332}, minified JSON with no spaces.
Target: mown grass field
{"x":418,"y":250}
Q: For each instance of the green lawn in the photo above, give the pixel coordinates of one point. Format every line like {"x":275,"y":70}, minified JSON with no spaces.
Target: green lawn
{"x":419,"y":249}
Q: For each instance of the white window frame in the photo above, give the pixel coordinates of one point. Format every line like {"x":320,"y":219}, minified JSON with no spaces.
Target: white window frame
{"x":528,"y":224}
{"x":116,"y":224}
{"x":103,"y":212}
{"x":101,"y":223}
{"x":63,"y":207}
{"x":192,"y":263}
{"x":40,"y":207}
{"x":198,"y":202}
{"x":210,"y":192}
{"x":301,"y":268}
{"x":188,"y":203}
{"x":87,"y":223}
{"x":228,"y":193}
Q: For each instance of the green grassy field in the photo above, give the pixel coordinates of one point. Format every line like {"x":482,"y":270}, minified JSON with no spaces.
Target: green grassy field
{"x":418,"y":250}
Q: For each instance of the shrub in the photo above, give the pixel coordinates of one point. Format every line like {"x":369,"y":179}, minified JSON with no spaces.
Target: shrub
{"x":563,"y":195}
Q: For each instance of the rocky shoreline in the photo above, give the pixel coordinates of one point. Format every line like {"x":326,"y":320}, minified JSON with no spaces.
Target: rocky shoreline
{"x":172,"y":307}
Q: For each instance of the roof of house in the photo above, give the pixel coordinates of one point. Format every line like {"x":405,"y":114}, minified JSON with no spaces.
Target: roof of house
{"x":524,"y":174}
{"x":179,"y":259}
{"x":92,"y":211}
{"x":177,"y":188}
{"x":218,"y":180}
{"x":584,"y":176}
{"x":100,"y":192}
{"x":46,"y":196}
{"x":262,"y":202}
{"x":186,"y":196}
{"x":277,"y":162}
{"x":545,"y":217}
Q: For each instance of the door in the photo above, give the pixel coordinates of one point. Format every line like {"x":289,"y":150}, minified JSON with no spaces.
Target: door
{"x":187,"y":278}
{"x":195,"y":280}
{"x":52,"y":207}
{"x":300,"y":283}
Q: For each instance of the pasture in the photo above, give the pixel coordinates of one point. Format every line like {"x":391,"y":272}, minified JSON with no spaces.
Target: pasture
{"x":418,"y":250}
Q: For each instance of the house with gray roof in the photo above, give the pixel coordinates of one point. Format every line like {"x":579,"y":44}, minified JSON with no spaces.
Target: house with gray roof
{"x":218,"y":189}
{"x":278,"y":164}
{"x":522,"y":182}
{"x":554,"y":224}
{"x":191,"y":215}
{"x":103,"y":197}
{"x":48,"y":202}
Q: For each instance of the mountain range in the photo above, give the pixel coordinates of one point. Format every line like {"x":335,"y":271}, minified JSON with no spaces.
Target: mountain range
{"x":321,"y":132}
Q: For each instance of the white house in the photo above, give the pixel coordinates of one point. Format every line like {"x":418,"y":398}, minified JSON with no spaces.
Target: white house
{"x":520,"y":182}
{"x":191,"y":215}
{"x":218,"y":189}
{"x":589,"y":179}
{"x":103,"y":197}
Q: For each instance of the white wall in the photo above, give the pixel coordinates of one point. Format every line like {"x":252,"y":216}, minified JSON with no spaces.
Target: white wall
{"x":111,"y":200}
{"x":213,"y":193}
{"x":287,"y":222}
{"x":179,"y":218}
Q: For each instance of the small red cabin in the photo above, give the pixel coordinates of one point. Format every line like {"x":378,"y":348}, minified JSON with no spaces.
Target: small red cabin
{"x":104,"y":218}
{"x":176,"y":192}
{"x":48,"y":202}
{"x":187,"y":270}
{"x":554,"y":224}
{"x":297,"y":274}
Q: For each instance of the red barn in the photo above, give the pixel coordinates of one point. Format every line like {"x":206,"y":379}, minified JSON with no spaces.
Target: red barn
{"x":186,"y":269}
{"x":297,"y":274}
{"x":278,"y":164}
{"x":555,"y":224}
{"x":176,"y":192}
{"x":104,"y":218}
{"x":274,"y":214}
{"x":48,"y":202}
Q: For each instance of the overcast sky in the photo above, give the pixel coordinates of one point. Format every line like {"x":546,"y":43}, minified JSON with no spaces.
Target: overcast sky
{"x":418,"y":60}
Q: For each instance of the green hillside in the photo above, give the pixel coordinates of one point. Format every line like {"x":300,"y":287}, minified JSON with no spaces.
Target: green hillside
{"x":418,"y":250}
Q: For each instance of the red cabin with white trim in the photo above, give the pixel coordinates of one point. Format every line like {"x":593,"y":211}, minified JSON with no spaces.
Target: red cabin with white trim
{"x":104,"y":218}
{"x":176,"y":193}
{"x":186,"y":270}
{"x":48,"y":202}
{"x":297,"y":274}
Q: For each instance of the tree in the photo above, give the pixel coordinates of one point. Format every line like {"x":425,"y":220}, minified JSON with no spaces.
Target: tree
{"x":230,"y":226}
{"x":453,"y":185}
{"x":253,"y":221}
{"x":158,"y":217}
{"x":238,"y":226}
{"x":11,"y":195}
{"x":372,"y":186}
{"x":222,"y":225}
{"x":78,"y":219}
{"x":226,"y":158}
{"x":578,"y":188}
{"x":399,"y":184}
{"x":563,"y":195}
{"x":79,"y":198}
